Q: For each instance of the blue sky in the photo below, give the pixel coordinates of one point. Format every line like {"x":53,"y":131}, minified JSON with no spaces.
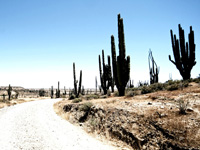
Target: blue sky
{"x":40,"y":39}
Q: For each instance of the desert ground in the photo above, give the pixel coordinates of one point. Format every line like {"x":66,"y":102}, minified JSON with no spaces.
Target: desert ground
{"x":140,"y":121}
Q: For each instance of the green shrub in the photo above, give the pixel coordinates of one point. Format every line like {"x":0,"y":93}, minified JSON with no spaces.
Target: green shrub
{"x":77,"y":100}
{"x":172,"y":87}
{"x":85,"y":107}
{"x":146,"y":89}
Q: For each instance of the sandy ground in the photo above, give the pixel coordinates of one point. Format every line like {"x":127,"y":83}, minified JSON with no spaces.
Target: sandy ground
{"x":34,"y":125}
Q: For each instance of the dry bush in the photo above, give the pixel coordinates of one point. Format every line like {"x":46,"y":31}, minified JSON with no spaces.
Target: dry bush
{"x":85,"y":107}
{"x":182,"y":106}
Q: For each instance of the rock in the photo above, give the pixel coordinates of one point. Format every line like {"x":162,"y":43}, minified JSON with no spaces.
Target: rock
{"x":162,"y":107}
{"x":149,"y":103}
{"x":190,"y":109}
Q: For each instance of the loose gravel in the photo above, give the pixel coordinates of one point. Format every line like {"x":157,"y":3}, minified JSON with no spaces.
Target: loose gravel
{"x":35,"y":126}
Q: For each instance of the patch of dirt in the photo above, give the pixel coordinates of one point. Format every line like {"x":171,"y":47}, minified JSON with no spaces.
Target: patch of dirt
{"x":149,"y":121}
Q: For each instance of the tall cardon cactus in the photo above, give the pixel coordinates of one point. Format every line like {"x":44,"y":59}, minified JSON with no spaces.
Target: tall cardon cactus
{"x":153,"y":69}
{"x":184,"y":53}
{"x":106,"y":76}
{"x":121,"y":64}
{"x":77,"y":92}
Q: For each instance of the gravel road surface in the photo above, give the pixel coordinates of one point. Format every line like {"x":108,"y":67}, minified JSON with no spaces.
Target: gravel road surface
{"x":35,"y":126}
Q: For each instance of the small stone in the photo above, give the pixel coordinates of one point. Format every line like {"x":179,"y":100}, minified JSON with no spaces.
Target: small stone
{"x":149,"y":103}
{"x":190,"y":109}
{"x":162,"y":107}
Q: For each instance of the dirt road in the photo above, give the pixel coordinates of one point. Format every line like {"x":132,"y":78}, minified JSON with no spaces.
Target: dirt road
{"x":34,"y":125}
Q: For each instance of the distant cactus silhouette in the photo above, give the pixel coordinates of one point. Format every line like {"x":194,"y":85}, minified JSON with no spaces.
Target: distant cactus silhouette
{"x":121,"y":65}
{"x":58,"y":91}
{"x":184,"y":54}
{"x":9,"y":90}
{"x":77,"y":92}
{"x":52,"y":92}
{"x":65,"y":92}
{"x":153,"y":69}
{"x":106,"y":76}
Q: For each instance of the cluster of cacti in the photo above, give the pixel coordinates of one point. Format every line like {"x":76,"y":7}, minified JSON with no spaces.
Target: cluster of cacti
{"x":140,"y":83}
{"x":153,"y":69}
{"x":106,"y":76}
{"x":184,"y":54}
{"x":9,"y":90}
{"x":52,"y":93}
{"x":77,"y":91}
{"x":121,"y":64}
{"x":58,"y":91}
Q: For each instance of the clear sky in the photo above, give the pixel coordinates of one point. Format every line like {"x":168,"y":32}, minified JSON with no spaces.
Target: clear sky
{"x":40,"y":39}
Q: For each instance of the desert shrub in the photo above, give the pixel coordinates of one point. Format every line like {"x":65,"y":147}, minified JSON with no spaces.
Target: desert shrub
{"x":196,"y":80}
{"x":85,"y":107}
{"x":146,"y":89}
{"x":92,"y":96}
{"x":157,"y":86}
{"x":77,"y":100}
{"x":175,"y":85}
{"x":130,"y":93}
{"x":182,"y":106}
{"x":152,"y":88}
{"x":172,"y":87}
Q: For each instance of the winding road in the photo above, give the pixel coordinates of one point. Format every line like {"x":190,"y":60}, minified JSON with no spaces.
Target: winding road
{"x":35,"y":126}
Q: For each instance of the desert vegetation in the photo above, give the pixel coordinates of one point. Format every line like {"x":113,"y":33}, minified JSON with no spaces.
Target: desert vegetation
{"x":149,"y":116}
